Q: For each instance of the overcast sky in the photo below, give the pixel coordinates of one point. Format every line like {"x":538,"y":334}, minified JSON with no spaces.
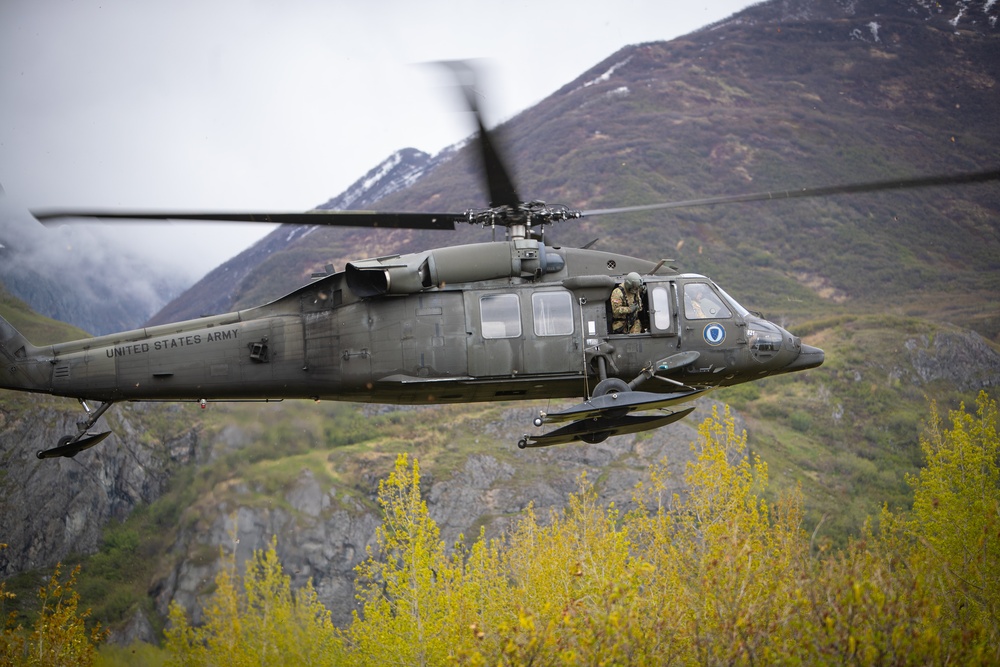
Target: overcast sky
{"x":268,"y":105}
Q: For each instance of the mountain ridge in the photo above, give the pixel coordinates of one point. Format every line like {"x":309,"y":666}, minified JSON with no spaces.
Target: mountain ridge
{"x":742,"y":106}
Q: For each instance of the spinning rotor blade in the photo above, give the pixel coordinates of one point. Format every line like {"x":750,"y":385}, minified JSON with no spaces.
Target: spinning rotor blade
{"x":498,"y":180}
{"x":378,"y":219}
{"x":873,"y":186}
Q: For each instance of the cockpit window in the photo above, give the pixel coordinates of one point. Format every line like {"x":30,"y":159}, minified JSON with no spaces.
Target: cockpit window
{"x":701,"y":303}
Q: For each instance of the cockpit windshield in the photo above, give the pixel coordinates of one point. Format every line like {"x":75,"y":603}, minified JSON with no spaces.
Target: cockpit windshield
{"x":702,"y":303}
{"x":740,"y":310}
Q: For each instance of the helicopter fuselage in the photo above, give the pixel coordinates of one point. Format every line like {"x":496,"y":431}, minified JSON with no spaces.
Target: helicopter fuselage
{"x":481,"y":322}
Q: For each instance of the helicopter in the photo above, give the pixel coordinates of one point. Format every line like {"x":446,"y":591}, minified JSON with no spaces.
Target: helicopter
{"x":502,"y":320}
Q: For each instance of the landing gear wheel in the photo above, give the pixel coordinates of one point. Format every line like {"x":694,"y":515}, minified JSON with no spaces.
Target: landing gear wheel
{"x":62,"y":441}
{"x":611,"y":386}
{"x":523,"y":442}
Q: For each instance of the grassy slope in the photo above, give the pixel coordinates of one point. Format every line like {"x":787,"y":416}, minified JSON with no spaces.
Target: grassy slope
{"x":39,"y":330}
{"x":36,"y":328}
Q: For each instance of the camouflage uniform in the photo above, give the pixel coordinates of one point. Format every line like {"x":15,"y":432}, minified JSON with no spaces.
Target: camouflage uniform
{"x":625,"y":308}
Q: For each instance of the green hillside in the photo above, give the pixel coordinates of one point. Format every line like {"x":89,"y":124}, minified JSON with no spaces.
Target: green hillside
{"x":846,"y":434}
{"x":36,"y":328}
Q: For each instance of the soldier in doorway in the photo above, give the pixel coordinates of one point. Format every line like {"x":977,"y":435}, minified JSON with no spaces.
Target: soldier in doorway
{"x":626,"y":305}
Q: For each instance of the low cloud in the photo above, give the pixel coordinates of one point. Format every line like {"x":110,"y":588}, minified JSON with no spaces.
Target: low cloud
{"x":86,"y":274}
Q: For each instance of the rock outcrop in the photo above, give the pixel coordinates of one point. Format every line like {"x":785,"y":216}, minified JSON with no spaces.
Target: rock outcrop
{"x":52,"y":508}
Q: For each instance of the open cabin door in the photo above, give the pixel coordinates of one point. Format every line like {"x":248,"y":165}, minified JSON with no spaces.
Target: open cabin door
{"x":662,"y":300}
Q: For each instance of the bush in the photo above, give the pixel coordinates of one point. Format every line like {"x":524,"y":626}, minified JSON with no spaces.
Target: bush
{"x":264,"y":623}
{"x":59,"y":635}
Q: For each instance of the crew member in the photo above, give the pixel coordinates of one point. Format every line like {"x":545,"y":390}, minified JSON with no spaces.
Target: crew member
{"x":699,"y":302}
{"x":626,"y":305}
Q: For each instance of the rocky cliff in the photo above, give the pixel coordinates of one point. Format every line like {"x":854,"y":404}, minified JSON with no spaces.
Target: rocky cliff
{"x":52,"y":508}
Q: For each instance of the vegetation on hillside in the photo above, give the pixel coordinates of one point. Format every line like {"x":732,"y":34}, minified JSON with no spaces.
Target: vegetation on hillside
{"x":846,"y":435}
{"x":722,"y":576}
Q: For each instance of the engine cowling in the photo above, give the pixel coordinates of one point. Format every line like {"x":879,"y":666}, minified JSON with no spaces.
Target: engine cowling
{"x":408,"y":274}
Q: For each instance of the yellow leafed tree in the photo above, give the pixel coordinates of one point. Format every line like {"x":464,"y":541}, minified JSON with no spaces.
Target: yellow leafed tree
{"x":412,"y":592}
{"x":59,"y":635}
{"x":956,"y":513}
{"x":265,"y":623}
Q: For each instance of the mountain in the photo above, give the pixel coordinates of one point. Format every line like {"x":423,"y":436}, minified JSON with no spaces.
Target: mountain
{"x":223,"y":287}
{"x":780,"y":96}
{"x":900,"y":289}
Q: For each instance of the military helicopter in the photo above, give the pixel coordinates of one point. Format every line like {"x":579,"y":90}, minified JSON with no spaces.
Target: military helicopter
{"x":499,"y":320}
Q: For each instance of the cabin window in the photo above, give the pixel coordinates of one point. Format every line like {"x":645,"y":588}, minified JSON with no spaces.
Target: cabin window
{"x":701,"y":303}
{"x":661,"y":307}
{"x":501,"y":315}
{"x":553,"y":313}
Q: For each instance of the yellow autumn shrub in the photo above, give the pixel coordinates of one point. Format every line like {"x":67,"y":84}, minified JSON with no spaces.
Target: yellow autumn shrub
{"x":255,"y":619}
{"x":59,"y":635}
{"x":714,"y":576}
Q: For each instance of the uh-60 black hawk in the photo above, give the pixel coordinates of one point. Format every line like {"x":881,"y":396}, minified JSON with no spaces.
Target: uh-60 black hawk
{"x":501,"y":320}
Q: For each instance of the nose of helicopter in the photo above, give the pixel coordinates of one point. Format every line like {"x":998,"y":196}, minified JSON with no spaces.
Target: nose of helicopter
{"x":808,"y":357}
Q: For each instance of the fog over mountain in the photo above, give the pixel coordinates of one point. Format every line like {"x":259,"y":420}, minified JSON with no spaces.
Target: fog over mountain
{"x":83,"y":274}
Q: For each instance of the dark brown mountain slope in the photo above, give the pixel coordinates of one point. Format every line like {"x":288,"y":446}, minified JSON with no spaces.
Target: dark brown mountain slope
{"x":783,"y":95}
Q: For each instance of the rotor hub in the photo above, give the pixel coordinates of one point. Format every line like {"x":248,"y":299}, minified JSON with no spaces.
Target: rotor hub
{"x":519,"y":219}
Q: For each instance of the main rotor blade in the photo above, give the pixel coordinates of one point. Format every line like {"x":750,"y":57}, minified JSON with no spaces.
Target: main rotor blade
{"x":378,"y":219}
{"x":872,"y":186}
{"x":498,"y":181}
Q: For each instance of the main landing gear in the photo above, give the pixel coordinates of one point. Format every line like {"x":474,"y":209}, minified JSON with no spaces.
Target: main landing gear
{"x":71,"y":445}
{"x":608,"y":411}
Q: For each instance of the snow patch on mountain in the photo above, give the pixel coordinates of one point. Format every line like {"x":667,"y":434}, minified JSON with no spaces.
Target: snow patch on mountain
{"x":606,"y":76}
{"x":873,"y":28}
{"x":397,"y":172}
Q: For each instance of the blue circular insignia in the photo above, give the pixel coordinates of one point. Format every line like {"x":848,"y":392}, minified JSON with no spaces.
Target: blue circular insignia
{"x":714,"y":333}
